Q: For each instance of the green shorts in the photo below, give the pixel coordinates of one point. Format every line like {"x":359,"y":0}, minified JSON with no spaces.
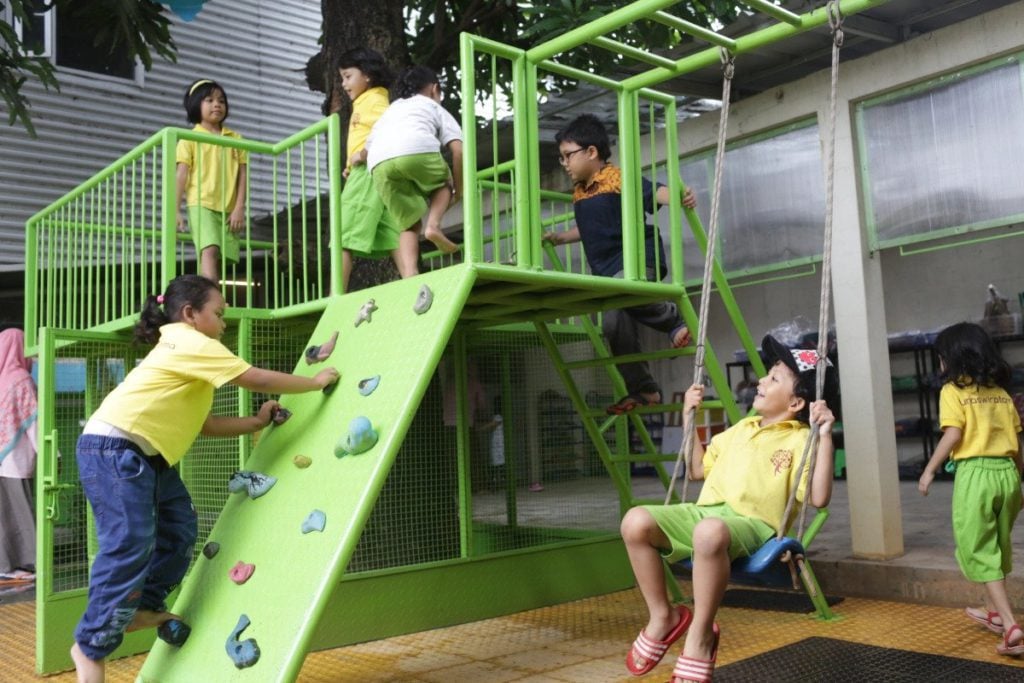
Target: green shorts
{"x":986,"y":501}
{"x":209,"y":227}
{"x":367,"y":229}
{"x":405,"y":183}
{"x":746,"y":534}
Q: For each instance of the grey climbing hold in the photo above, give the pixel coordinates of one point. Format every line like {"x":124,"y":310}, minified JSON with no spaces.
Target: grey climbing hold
{"x":211,"y":549}
{"x":321,"y":352}
{"x":361,"y":437}
{"x":280,"y":415}
{"x":243,"y":653}
{"x":423,"y":300}
{"x":316,"y":521}
{"x":254,"y":483}
{"x":366,"y":386}
{"x":366,"y":312}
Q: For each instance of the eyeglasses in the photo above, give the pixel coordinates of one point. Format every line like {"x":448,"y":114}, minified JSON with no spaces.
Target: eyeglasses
{"x":563,"y":159}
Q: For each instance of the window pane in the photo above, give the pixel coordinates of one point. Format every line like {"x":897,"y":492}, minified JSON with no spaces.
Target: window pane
{"x":75,"y":50}
{"x":947,"y":157}
{"x":772,"y":202}
{"x":34,"y":30}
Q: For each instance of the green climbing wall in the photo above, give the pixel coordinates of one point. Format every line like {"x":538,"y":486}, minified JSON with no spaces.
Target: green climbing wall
{"x":295,"y":573}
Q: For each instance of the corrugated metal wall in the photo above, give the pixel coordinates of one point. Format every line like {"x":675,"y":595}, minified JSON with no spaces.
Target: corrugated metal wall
{"x":256,"y":49}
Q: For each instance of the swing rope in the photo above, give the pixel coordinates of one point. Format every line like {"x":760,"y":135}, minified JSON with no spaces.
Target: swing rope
{"x":686,"y":446}
{"x":809,"y":457}
{"x":835,"y":21}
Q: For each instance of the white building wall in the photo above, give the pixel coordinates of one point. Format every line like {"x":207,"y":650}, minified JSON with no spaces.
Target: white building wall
{"x":256,"y":49}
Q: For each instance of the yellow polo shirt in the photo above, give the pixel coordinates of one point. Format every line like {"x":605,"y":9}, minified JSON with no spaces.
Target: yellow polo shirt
{"x":366,"y":109}
{"x":754,"y":468}
{"x":168,"y":396}
{"x":213,"y":171}
{"x":986,"y":416}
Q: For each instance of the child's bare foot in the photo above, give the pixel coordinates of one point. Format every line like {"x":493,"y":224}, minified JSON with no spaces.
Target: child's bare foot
{"x":147,"y":618}
{"x":440,"y":240}
{"x":88,"y":670}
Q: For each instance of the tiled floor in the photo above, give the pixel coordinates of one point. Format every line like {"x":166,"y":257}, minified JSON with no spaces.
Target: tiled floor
{"x":580,"y":641}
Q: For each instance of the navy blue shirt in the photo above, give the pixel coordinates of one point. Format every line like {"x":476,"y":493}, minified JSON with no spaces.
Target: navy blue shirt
{"x":598,"y":209}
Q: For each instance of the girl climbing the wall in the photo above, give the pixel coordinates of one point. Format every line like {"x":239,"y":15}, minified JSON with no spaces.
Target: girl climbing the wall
{"x":145,"y":522}
{"x":215,"y":178}
{"x":980,"y":436}
{"x":409,"y":172}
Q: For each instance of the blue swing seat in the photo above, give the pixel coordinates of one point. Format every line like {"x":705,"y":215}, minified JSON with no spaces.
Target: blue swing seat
{"x":766,"y":568}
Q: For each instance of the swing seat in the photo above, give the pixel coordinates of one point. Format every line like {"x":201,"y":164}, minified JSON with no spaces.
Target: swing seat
{"x":768,"y":567}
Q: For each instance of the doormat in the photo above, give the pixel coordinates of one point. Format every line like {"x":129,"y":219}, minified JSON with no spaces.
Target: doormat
{"x":826,"y":660}
{"x":773,"y":601}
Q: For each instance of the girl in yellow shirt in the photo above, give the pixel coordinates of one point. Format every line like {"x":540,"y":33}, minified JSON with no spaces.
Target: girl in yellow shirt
{"x":980,"y":428}
{"x":145,"y":521}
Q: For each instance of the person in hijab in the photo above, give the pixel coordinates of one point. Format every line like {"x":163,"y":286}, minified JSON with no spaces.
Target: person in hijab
{"x":17,"y":460}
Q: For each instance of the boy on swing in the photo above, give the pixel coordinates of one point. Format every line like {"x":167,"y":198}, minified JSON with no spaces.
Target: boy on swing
{"x":749,"y":471}
{"x":583,"y":151}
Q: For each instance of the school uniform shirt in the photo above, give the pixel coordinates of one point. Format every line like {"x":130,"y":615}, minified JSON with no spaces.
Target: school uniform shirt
{"x":986,"y":416}
{"x":413,"y":125}
{"x":366,"y":110}
{"x":168,"y":396}
{"x":753,"y":468}
{"x":598,"y":209}
{"x":213,"y":171}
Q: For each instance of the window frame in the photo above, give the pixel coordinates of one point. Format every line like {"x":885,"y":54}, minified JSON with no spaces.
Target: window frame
{"x":863,"y":171}
{"x":72,"y":73}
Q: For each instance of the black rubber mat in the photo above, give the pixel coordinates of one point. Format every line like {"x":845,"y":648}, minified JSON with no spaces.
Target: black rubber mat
{"x":773,"y":601}
{"x":824,"y":660}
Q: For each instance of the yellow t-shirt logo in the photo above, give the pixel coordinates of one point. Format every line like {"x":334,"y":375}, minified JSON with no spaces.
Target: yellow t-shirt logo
{"x":782,"y":459}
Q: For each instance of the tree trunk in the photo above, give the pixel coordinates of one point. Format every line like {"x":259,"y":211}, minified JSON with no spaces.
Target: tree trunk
{"x":348,"y":24}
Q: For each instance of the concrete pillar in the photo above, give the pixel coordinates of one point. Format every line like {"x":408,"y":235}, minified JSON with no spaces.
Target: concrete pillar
{"x":871,"y":464}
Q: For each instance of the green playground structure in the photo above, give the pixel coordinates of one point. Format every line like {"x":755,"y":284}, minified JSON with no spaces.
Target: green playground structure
{"x":422,"y":530}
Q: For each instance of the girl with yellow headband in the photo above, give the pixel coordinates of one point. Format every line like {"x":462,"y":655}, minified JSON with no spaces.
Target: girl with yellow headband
{"x":215,"y":178}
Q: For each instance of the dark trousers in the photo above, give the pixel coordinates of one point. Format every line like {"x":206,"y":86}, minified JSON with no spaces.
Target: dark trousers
{"x":146,"y":527}
{"x":623,"y":334}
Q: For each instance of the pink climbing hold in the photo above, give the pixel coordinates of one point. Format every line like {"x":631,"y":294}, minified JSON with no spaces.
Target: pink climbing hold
{"x":241,"y":572}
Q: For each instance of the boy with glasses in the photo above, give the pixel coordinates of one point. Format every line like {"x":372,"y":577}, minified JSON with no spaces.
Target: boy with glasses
{"x":584,"y":151}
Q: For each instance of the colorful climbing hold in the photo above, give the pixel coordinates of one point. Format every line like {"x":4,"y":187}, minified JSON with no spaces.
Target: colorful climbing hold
{"x":315,"y":521}
{"x":361,"y":437}
{"x":243,"y":653}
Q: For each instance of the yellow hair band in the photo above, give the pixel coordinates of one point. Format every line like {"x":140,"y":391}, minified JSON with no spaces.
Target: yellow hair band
{"x":197,"y":84}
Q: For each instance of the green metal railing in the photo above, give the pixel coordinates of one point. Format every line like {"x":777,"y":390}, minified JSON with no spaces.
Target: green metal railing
{"x":93,"y":256}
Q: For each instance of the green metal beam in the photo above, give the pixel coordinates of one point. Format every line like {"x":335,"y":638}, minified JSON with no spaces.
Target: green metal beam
{"x":748,"y":43}
{"x":633,"y":52}
{"x":780,"y":13}
{"x":694,"y":30}
{"x":599,"y":27}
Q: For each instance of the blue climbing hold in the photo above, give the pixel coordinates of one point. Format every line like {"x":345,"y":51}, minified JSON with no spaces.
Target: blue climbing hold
{"x":366,"y":386}
{"x":174,"y":632}
{"x":361,"y":437}
{"x":316,"y":521}
{"x":243,"y":653}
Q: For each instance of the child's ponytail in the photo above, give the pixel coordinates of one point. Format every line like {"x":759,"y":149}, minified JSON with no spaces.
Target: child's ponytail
{"x":159,"y":310}
{"x":413,"y":80}
{"x":152,"y":318}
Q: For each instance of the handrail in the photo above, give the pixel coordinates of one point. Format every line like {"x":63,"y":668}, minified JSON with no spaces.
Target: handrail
{"x":95,"y":253}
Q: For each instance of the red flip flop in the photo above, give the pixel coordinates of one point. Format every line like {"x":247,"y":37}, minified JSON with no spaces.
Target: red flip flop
{"x":985,"y":619}
{"x":647,"y":652}
{"x":1016,"y":649}
{"x":693,"y":669}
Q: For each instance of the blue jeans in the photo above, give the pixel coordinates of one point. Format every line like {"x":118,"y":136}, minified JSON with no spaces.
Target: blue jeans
{"x":146,"y":527}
